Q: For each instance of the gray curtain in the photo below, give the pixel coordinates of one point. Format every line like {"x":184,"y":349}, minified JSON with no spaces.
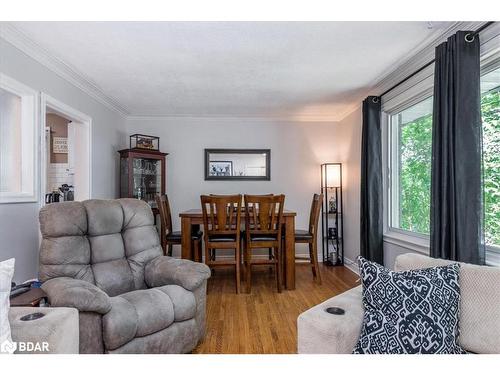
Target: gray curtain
{"x":456,"y":192}
{"x":371,"y":182}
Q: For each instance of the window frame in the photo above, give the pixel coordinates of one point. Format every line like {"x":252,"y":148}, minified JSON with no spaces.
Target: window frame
{"x":488,"y":64}
{"x":417,"y":89}
{"x":30,"y":105}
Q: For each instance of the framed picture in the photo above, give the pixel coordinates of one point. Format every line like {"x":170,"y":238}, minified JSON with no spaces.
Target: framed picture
{"x":220,"y":168}
{"x":60,"y":145}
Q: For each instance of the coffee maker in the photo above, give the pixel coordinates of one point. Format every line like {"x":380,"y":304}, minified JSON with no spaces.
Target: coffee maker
{"x":67,"y":192}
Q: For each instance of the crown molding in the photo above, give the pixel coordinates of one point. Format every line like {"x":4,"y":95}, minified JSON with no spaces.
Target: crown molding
{"x":266,"y":118}
{"x":422,"y":55}
{"x":18,"y":39}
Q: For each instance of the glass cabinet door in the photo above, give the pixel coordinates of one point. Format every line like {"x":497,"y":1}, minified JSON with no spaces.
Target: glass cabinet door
{"x":146,"y":177}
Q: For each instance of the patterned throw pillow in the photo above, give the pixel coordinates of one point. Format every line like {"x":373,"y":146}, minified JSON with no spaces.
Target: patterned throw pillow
{"x":409,"y":312}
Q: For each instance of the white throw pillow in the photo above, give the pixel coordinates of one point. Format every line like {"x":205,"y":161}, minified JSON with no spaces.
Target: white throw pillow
{"x":6,"y":273}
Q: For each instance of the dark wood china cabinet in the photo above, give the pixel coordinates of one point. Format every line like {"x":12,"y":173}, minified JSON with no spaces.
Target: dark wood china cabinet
{"x":142,"y":174}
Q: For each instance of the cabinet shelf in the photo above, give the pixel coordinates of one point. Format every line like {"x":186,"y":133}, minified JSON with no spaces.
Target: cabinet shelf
{"x":138,"y":170}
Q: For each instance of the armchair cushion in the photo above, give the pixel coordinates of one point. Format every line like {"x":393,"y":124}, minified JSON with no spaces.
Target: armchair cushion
{"x":144,"y":312}
{"x":84,"y":296}
{"x":165,"y":270}
{"x":183,"y":301}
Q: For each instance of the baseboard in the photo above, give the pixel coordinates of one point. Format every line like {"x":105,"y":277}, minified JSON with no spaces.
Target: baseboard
{"x":352,"y":265}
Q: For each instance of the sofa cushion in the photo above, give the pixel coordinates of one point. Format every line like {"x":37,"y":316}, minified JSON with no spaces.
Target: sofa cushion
{"x":135,"y":314}
{"x":183,"y":301}
{"x":479,"y":303}
{"x":410,"y":312}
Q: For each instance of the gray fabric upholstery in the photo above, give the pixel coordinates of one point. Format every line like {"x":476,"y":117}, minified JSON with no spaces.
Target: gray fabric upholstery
{"x":165,"y":270}
{"x":91,"y":340}
{"x":178,"y":338}
{"x":183,"y":302}
{"x":144,"y":312}
{"x":58,"y":328}
{"x":64,"y":291}
{"x":101,"y":256}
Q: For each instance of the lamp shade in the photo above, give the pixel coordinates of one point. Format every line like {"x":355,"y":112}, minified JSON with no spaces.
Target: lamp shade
{"x":332,"y":175}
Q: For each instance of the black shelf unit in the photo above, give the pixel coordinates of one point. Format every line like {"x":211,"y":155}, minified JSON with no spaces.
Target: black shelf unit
{"x":332,"y":209}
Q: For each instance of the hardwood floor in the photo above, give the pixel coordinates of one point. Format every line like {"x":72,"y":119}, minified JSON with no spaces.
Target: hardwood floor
{"x":264,"y":322}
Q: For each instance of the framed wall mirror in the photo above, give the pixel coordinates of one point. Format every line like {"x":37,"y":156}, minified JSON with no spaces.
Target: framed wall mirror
{"x":238,"y":164}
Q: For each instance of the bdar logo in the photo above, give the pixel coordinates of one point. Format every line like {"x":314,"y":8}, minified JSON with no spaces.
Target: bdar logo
{"x":8,"y":347}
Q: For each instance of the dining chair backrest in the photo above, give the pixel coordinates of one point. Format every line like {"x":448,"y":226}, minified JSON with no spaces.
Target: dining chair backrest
{"x":165,"y":214}
{"x":314,"y":214}
{"x":221,"y":214}
{"x":264,"y":214}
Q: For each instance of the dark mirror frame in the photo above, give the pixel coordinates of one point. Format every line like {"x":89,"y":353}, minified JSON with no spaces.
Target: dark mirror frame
{"x":209,"y":151}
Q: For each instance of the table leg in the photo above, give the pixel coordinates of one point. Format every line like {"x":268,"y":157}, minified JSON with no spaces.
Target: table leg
{"x":290,"y":252}
{"x":186,"y":250}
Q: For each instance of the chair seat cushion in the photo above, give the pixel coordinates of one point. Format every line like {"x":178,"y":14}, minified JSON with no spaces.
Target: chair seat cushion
{"x":177,"y":236}
{"x":257,"y":238}
{"x":143,"y":312}
{"x":222,"y":238}
{"x":260,"y":237}
{"x":304,"y":235}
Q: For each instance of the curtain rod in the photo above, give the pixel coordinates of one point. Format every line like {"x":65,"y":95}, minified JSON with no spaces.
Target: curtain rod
{"x":487,"y":24}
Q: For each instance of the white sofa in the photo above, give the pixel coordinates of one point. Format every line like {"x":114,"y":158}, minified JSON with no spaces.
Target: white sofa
{"x":55,"y":333}
{"x":321,"y":332}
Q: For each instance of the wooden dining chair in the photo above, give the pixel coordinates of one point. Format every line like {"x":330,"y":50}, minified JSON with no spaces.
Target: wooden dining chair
{"x":310,"y":236}
{"x":263,"y":229}
{"x":169,"y":238}
{"x":221,"y":221}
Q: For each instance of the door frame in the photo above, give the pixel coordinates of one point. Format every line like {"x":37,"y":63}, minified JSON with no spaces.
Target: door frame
{"x":71,"y":114}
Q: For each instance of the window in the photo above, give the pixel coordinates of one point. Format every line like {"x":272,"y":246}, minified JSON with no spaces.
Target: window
{"x":410,"y":165}
{"x":410,"y":148}
{"x":18,"y":115}
{"x":490,"y":110}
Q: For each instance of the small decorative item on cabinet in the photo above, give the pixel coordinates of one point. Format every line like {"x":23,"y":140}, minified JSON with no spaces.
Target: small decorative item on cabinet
{"x":145,"y":142}
{"x":142,"y":174}
{"x":332,"y":214}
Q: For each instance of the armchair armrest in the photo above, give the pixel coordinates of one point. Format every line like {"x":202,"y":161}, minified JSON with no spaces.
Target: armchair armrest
{"x":322,"y":333}
{"x":82,"y":295}
{"x":165,"y":270}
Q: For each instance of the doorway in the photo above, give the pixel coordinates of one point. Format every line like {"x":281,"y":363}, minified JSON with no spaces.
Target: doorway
{"x":65,"y":153}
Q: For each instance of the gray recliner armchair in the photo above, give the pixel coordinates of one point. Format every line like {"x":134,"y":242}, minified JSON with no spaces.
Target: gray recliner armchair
{"x":103,"y":257}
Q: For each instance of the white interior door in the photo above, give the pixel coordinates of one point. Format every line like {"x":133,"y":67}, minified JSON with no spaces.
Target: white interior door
{"x":78,"y":159}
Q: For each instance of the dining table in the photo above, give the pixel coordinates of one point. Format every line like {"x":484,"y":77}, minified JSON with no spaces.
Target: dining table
{"x":194,"y":216}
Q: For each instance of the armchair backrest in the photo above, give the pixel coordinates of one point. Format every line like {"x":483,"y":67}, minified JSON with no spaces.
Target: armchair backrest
{"x":105,"y":242}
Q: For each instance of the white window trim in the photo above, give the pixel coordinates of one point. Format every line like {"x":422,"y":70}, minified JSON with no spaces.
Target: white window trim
{"x":415,"y":90}
{"x":411,"y":92}
{"x":29,"y":159}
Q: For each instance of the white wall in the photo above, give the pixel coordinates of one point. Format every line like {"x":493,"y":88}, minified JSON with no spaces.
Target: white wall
{"x":297,"y":150}
{"x":350,"y":155}
{"x":19,"y":222}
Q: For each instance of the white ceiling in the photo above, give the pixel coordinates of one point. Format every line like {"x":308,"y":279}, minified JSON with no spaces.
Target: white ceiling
{"x":232,"y":68}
